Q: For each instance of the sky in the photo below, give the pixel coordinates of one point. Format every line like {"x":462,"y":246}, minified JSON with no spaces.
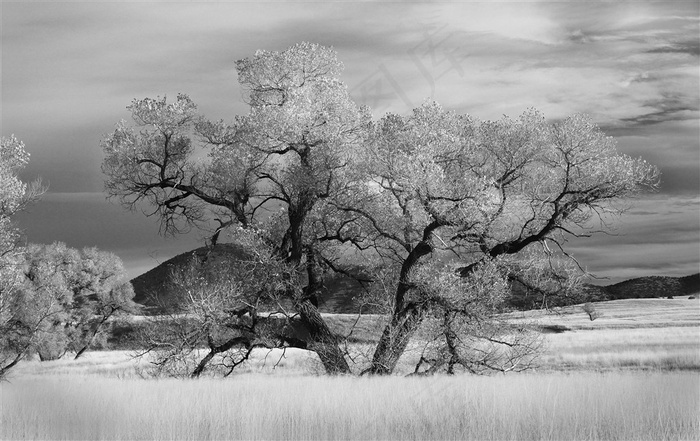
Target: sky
{"x":70,"y":69}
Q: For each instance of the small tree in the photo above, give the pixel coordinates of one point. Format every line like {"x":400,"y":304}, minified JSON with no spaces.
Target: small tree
{"x":101,"y":291}
{"x":462,"y":328}
{"x":48,"y":271}
{"x":82,"y":289}
{"x":590,"y":309}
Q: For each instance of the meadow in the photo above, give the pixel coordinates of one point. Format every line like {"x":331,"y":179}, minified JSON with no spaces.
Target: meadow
{"x":632,"y":374}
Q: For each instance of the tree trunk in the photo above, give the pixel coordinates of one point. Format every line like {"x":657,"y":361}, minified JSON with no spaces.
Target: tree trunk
{"x":82,"y":350}
{"x":213,"y":350}
{"x":394,"y":340}
{"x":95,"y":330}
{"x":451,"y":340}
{"x":323,"y":341}
{"x":203,"y":364}
{"x":5,"y":369}
{"x":407,"y":316}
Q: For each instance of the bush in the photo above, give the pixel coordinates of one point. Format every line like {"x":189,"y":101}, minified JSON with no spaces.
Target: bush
{"x":590,"y":309}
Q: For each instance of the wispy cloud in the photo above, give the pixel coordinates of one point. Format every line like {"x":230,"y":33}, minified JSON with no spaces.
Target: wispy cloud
{"x":659,"y":235}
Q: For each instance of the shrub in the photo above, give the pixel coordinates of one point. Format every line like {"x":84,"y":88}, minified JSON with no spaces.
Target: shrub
{"x":590,"y":309}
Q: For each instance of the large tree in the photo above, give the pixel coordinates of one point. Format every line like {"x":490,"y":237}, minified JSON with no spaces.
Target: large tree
{"x":285,"y":156}
{"x":496,"y":197}
{"x":448,"y":210}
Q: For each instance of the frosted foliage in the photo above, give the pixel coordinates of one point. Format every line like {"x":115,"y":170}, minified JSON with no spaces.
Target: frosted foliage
{"x":14,"y":195}
{"x":481,"y":294}
{"x":270,"y":75}
{"x":166,"y":117}
{"x":492,"y":182}
{"x":162,"y":146}
{"x":64,"y":300}
{"x":158,"y":164}
{"x":13,"y":192}
{"x":301,"y":112}
{"x":12,"y":159}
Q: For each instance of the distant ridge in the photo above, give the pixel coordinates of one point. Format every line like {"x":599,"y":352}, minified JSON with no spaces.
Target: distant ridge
{"x":654,"y":286}
{"x":637,"y":288}
{"x":153,"y":288}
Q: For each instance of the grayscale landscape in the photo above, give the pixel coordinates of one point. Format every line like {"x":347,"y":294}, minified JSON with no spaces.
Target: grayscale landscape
{"x":350,"y":221}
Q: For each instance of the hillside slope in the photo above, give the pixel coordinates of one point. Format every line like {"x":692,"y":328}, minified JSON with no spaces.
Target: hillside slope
{"x":153,"y":288}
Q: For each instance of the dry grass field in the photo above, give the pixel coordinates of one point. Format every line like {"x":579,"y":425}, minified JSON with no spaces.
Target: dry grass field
{"x":632,"y":374}
{"x":587,"y":406}
{"x":654,"y":334}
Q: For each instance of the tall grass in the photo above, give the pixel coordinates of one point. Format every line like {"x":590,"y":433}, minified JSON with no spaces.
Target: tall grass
{"x":555,"y":406}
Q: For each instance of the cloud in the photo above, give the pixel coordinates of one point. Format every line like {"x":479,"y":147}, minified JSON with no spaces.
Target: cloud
{"x":671,"y":145}
{"x":687,"y":47}
{"x":659,"y":235}
{"x":668,"y":107}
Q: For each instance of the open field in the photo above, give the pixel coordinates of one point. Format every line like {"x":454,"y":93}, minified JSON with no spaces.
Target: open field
{"x":630,"y":334}
{"x":620,"y":314}
{"x":633,"y":373}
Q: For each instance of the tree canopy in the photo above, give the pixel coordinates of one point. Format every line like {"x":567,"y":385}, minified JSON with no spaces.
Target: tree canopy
{"x":447,"y":211}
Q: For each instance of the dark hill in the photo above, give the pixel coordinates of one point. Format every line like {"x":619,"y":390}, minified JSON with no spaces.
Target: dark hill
{"x":650,"y":287}
{"x":637,"y":288}
{"x":153,"y":288}
{"x":691,"y":284}
{"x":654,"y":286}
